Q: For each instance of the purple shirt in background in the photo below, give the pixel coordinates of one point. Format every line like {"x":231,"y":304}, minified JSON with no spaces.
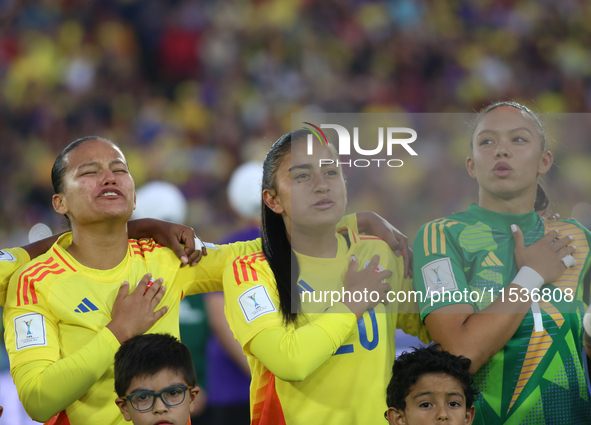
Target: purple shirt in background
{"x":226,"y":383}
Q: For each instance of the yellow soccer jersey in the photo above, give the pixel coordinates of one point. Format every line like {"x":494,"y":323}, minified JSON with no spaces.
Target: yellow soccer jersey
{"x":10,"y":261}
{"x":57,"y":310}
{"x":349,"y":387}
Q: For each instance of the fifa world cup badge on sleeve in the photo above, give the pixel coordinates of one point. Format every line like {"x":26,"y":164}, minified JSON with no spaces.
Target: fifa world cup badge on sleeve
{"x":256,"y":302}
{"x":439,"y":277}
{"x":29,"y":330}
{"x":6,"y":256}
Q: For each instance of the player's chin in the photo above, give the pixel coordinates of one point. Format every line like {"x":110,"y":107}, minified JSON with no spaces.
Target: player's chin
{"x":327,"y":218}
{"x":122,"y":213}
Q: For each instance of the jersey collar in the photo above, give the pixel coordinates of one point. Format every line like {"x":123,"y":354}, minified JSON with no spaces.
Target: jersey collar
{"x":503,"y":221}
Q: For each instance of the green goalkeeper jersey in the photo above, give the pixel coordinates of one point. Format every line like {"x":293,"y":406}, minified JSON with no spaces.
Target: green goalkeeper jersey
{"x":539,"y":376}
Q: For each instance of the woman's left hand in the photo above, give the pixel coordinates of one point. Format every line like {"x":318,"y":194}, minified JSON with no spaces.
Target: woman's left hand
{"x":171,"y":235}
{"x":373,"y":224}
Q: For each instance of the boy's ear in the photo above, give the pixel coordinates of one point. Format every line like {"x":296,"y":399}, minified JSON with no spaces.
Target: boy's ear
{"x":470,"y":415}
{"x":396,"y":417}
{"x":193,"y":393}
{"x":122,"y":404}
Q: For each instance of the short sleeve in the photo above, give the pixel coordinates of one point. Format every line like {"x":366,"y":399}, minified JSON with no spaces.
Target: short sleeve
{"x":438,"y":268}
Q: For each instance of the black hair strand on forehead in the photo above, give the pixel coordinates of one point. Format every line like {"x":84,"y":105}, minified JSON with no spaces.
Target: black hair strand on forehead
{"x":148,"y":354}
{"x":409,"y":367}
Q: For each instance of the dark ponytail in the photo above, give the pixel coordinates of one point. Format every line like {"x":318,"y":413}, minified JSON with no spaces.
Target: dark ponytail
{"x":542,"y":200}
{"x":276,"y":246}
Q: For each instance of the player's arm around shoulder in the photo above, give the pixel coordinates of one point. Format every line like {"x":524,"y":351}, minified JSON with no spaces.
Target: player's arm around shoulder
{"x":207,"y":275}
{"x":403,"y":297}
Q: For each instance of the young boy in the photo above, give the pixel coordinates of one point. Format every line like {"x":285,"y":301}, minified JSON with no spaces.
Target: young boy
{"x":155,"y":380}
{"x":430,"y":386}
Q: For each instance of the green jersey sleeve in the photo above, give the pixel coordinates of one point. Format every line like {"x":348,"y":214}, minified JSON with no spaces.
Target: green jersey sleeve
{"x":439,"y":270}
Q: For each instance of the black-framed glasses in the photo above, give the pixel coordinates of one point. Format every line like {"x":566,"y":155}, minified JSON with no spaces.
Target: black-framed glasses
{"x":144,"y":400}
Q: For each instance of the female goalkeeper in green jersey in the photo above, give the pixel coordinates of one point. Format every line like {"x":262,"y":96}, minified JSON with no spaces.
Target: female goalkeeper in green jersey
{"x":504,"y":287}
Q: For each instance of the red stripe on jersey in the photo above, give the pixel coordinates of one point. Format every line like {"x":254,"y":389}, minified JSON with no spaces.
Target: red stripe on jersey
{"x":20,"y":279}
{"x":134,"y":248}
{"x":149,"y":245}
{"x":354,"y":237}
{"x":37,"y":279}
{"x":236,"y":275}
{"x":62,"y":258}
{"x":26,"y":283}
{"x":255,"y":257}
{"x":151,"y":249}
{"x":268,"y":411}
{"x":60,"y":419}
{"x":148,"y":242}
{"x":246,"y":264}
{"x":244,"y":271}
{"x":33,"y":293}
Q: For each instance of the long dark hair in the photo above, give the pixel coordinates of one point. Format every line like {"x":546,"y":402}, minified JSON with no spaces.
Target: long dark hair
{"x":542,"y":201}
{"x":276,"y":245}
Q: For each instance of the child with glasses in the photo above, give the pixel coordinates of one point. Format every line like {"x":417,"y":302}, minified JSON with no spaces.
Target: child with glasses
{"x":155,"y":380}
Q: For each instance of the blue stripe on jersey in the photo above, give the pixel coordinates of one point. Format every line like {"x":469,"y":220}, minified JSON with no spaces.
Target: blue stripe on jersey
{"x":305,"y":286}
{"x":344,"y":349}
{"x":89,"y":304}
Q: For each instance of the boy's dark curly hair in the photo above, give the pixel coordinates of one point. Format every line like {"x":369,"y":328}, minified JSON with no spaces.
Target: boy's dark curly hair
{"x":148,"y":354}
{"x":409,"y":367}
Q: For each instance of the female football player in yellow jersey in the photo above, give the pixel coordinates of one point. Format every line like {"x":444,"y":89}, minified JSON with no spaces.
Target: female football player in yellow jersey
{"x":67,"y":313}
{"x":309,"y":366}
{"x":527,"y":353}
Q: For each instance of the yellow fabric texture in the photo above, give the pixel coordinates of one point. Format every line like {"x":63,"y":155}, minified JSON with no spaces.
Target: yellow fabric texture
{"x":10,"y":261}
{"x":66,"y":362}
{"x":327,"y":369}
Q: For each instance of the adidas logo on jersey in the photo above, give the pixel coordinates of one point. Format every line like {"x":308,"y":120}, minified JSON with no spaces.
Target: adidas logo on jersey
{"x":85,"y":306}
{"x":491,"y":260}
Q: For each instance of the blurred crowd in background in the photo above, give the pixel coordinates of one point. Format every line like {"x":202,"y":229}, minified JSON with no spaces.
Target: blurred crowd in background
{"x":191,"y":89}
